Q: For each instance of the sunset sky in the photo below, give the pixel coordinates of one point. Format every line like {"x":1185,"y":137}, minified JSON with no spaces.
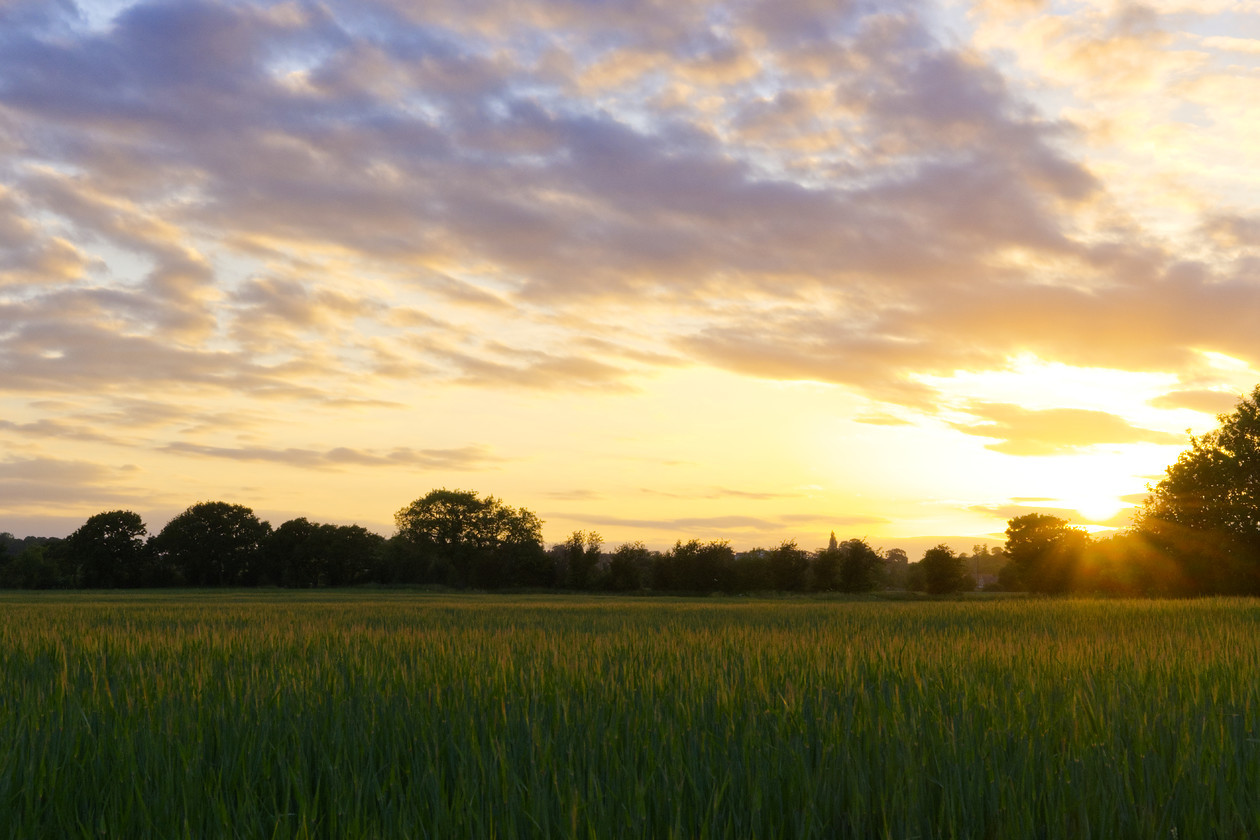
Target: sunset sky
{"x":662,"y":269}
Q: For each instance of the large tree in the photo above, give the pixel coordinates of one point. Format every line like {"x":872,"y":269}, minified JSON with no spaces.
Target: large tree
{"x":464,"y":540}
{"x":860,"y":568}
{"x":630,"y":567}
{"x":214,"y":544}
{"x":1044,"y":552}
{"x":943,"y":570}
{"x":580,"y":555}
{"x":303,"y":553}
{"x":1206,"y":509}
{"x":109,"y":550}
{"x":789,"y":566}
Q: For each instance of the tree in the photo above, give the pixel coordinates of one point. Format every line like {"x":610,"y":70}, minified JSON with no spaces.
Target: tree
{"x":694,"y":566}
{"x":214,"y":544}
{"x":581,"y":555}
{"x":469,"y":541}
{"x":630,"y":567}
{"x":825,"y":575}
{"x":1205,"y":512}
{"x":789,"y":567}
{"x":301,"y":553}
{"x":109,"y":550}
{"x":897,"y":565}
{"x":348,"y":554}
{"x":1044,"y":551}
{"x":293,"y":553}
{"x":942,"y":570}
{"x":860,"y":567}
{"x":40,"y":564}
{"x":753,"y":572}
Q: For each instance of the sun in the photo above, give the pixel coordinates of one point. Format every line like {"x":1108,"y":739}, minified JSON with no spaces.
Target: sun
{"x":1096,"y":507}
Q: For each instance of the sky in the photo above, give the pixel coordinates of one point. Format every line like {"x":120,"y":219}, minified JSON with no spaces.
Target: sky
{"x":752,"y":270}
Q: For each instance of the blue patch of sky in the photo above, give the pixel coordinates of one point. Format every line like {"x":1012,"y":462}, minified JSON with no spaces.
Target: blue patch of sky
{"x":99,"y":15}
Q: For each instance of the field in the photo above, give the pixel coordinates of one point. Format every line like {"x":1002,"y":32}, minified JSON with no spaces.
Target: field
{"x":413,"y":715}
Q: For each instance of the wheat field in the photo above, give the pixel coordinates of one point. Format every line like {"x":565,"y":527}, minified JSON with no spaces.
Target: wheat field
{"x":392,"y":714}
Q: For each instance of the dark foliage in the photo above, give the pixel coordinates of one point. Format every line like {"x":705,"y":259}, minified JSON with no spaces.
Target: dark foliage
{"x":213,"y":544}
{"x":458,"y":539}
{"x":943,"y":570}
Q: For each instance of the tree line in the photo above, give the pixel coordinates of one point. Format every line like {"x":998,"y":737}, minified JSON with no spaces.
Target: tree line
{"x":1197,"y":533}
{"x":449,"y":538}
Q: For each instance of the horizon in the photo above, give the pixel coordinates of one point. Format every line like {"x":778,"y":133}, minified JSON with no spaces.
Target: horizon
{"x":914,"y":546}
{"x":752,"y":270}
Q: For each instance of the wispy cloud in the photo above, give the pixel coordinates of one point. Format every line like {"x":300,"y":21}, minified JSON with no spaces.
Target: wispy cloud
{"x":1055,"y":431}
{"x":43,"y":483}
{"x":467,"y":458}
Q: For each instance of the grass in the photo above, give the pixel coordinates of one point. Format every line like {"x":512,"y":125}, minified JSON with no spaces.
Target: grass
{"x":384,"y":714}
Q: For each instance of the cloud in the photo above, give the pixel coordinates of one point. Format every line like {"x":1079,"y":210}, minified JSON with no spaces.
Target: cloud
{"x":1054,"y":431}
{"x":41,"y":484}
{"x":719,"y":525}
{"x":1227,"y":43}
{"x":1205,"y":401}
{"x":531,"y":369}
{"x":1233,"y":230}
{"x":32,"y":255}
{"x":51,"y":351}
{"x":361,"y":204}
{"x":721,"y":493}
{"x":1011,"y":511}
{"x":831,"y":520}
{"x":278,"y":135}
{"x":47,"y":427}
{"x":882,"y":420}
{"x":580,"y":495}
{"x":466,"y":458}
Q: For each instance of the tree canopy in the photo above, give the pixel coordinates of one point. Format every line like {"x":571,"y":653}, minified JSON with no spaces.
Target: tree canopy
{"x":1206,"y":509}
{"x":942,"y":570}
{"x":1045,"y":551}
{"x":464,"y":540}
{"x":214,"y":544}
{"x":110,"y":550}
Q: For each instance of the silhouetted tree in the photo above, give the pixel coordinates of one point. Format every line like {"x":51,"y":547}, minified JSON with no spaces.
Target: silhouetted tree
{"x":403,"y":561}
{"x":292,"y":553}
{"x":1044,"y":551}
{"x":1127,"y":563}
{"x":349,"y":555}
{"x":630,"y":567}
{"x":860,"y":567}
{"x":701,"y":567}
{"x":580,"y":555}
{"x":468,"y":541}
{"x":214,"y":544}
{"x":40,"y":564}
{"x":913,"y":578}
{"x":302,"y":553}
{"x":942,"y":570}
{"x":896,"y":564}
{"x":754,"y":571}
{"x":825,"y":573}
{"x":1205,"y":512}
{"x":109,"y":550}
{"x":789,"y":567}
